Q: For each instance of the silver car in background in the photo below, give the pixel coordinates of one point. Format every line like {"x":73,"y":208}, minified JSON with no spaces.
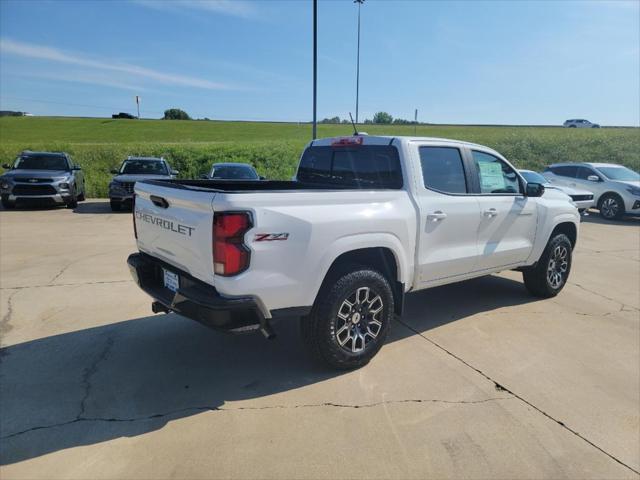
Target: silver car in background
{"x":132,"y":170}
{"x":580,"y":123}
{"x":42,"y":178}
{"x":616,"y":188}
{"x":583,"y":199}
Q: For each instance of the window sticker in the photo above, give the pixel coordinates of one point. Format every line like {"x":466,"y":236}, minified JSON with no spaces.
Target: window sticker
{"x":491,"y":178}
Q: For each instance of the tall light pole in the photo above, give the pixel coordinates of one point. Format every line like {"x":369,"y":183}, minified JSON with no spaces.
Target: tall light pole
{"x":315,"y":65}
{"x":359,"y":2}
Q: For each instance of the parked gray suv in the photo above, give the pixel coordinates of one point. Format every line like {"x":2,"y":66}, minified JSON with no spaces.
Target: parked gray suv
{"x":132,"y":170}
{"x":43,"y":178}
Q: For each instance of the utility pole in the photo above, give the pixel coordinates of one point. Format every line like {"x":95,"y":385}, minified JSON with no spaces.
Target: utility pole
{"x":315,"y":66}
{"x":138,"y":104}
{"x":359,"y":2}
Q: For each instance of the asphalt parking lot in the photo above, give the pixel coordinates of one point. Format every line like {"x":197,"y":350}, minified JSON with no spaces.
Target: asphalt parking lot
{"x":478,"y":379}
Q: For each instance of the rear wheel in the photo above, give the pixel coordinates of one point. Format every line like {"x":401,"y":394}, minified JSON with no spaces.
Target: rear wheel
{"x":611,"y":207}
{"x":115,"y":205}
{"x":350,"y":319}
{"x":81,"y":197}
{"x":550,"y":274}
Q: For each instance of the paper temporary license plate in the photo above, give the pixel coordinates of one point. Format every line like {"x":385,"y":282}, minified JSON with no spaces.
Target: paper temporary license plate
{"x":171,"y":280}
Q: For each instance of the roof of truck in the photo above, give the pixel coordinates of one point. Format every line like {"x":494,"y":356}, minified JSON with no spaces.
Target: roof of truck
{"x":382,"y":139}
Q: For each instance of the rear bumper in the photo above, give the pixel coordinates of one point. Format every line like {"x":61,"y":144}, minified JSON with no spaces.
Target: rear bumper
{"x":197,"y":300}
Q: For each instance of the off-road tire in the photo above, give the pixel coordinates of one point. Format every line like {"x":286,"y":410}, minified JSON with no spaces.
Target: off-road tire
{"x":607,"y":210}
{"x":536,"y":279}
{"x":319,"y":330}
{"x":81,"y":197}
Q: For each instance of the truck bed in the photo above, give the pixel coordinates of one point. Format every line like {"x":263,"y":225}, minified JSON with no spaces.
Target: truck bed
{"x":254,"y":186}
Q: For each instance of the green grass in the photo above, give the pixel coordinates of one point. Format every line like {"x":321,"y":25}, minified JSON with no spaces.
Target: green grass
{"x":273,"y":148}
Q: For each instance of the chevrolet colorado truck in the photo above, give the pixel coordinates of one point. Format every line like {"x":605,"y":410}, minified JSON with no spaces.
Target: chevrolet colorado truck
{"x":366,"y":220}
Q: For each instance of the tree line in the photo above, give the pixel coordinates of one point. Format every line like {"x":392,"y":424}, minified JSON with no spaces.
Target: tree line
{"x":380,"y":118}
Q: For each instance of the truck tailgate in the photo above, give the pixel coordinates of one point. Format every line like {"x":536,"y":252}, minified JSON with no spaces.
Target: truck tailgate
{"x":174,"y":225}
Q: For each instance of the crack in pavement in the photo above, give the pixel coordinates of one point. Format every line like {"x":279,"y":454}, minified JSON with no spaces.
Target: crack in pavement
{"x":90,"y":371}
{"x":77,"y":260}
{"x":66,"y":284}
{"x":268,"y":407}
{"x":5,"y":323}
{"x":631,"y":307}
{"x":502,"y":388}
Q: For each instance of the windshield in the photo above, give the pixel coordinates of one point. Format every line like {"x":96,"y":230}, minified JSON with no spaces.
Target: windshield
{"x":42,"y":162}
{"x":533,"y":177}
{"x":234,"y":172}
{"x":623,"y":174}
{"x":141,"y":167}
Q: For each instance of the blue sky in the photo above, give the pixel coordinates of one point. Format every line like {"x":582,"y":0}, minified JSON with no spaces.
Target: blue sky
{"x":455,"y":61}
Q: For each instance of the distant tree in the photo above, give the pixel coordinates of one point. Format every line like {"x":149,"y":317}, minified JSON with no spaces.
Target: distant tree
{"x":176,"y":114}
{"x":402,"y":121}
{"x":330,"y":120}
{"x":382,"y":117}
{"x":368,"y":121}
{"x":344,"y":120}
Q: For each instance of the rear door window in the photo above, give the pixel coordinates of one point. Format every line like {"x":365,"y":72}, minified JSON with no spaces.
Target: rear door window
{"x":442,"y":169}
{"x":363,"y":166}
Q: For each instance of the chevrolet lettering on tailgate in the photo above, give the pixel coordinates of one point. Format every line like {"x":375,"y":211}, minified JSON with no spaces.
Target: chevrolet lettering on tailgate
{"x":164,"y":223}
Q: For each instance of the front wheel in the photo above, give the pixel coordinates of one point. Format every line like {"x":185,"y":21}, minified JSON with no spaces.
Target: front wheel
{"x":7,"y":204}
{"x":611,"y":207}
{"x":551,"y":273}
{"x":73,"y":203}
{"x":350,"y":319}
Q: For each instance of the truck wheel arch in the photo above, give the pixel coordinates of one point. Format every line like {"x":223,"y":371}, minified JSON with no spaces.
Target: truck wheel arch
{"x":382,"y":259}
{"x":569,"y":229}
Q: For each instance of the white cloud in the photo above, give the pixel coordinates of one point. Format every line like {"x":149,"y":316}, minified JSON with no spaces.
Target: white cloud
{"x":237,"y":8}
{"x":42,"y":52}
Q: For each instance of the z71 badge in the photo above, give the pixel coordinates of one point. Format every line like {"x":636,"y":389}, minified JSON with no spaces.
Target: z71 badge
{"x":270,"y":237}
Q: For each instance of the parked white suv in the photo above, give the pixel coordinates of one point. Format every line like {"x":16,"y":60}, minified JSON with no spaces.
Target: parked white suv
{"x":580,"y":123}
{"x":616,"y":188}
{"x":367,"y":220}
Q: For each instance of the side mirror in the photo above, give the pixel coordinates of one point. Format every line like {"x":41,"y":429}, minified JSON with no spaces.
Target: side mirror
{"x":115,"y":171}
{"x":76,"y":167}
{"x":262,"y":178}
{"x":7,"y":166}
{"x":593,"y":178}
{"x":204,"y":176}
{"x":534,"y":190}
{"x":174,"y":172}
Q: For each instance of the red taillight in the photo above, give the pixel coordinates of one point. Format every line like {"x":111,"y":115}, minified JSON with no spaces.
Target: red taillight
{"x":230,"y":254}
{"x":347,"y":142}
{"x":133,"y":212}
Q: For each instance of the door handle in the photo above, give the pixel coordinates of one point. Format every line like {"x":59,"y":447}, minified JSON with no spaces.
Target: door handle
{"x":437,"y":216}
{"x":492,"y":212}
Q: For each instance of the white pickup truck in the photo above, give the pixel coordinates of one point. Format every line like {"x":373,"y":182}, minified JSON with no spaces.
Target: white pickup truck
{"x":365,"y":221}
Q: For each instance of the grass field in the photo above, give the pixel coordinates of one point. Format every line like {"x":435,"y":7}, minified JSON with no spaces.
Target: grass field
{"x":273,"y":148}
